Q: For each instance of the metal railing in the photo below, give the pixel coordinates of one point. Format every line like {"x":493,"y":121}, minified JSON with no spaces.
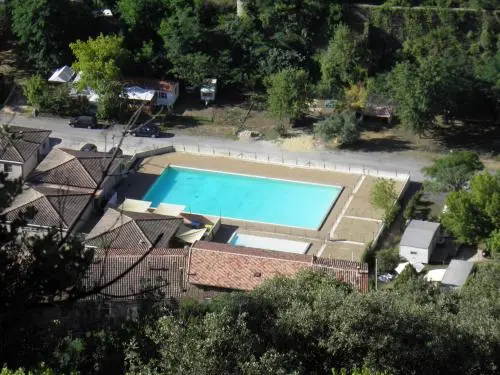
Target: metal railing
{"x":287,"y":160}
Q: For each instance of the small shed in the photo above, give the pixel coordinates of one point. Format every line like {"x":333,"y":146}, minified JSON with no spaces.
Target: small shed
{"x":457,"y":273}
{"x":418,"y":241}
{"x":379,"y":107}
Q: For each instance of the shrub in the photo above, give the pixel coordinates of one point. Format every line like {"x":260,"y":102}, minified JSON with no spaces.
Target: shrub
{"x":54,"y":100}
{"x":36,"y":91}
{"x":411,"y":206}
{"x":342,"y":125}
{"x":387,"y":259}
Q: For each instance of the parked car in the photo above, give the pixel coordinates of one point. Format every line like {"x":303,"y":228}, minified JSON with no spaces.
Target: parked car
{"x":118,"y":150}
{"x":152,"y":131}
{"x":89,"y":147}
{"x":89,"y":122}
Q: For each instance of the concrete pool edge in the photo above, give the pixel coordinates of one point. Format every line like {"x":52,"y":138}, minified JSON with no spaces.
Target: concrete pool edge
{"x":317,"y":228}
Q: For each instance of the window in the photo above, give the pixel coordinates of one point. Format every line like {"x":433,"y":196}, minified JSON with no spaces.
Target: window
{"x":413,"y":252}
{"x":7,"y":168}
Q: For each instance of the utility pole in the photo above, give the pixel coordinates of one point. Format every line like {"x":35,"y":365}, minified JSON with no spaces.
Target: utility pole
{"x":376,"y":276}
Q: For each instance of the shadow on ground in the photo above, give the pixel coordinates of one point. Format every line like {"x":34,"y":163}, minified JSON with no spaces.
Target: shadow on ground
{"x":387,"y":144}
{"x":135,"y":186}
{"x":480,"y":137}
{"x":224,"y":233}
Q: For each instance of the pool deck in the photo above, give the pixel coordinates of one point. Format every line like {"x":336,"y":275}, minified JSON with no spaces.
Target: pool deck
{"x":351,"y":223}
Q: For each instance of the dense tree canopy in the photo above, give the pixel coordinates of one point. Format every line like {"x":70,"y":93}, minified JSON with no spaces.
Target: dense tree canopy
{"x":453,"y":171}
{"x":473,"y":215}
{"x":311,"y":324}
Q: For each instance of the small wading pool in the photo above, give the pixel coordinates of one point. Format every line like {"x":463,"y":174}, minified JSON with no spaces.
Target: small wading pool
{"x":268,"y":243}
{"x":240,"y":197}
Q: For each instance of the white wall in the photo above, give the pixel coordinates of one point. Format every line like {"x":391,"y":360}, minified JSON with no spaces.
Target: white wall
{"x":414,"y":254}
{"x":17,"y":170}
{"x":30,"y":164}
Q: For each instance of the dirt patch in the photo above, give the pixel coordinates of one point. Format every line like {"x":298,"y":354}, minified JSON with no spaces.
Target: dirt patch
{"x":300,"y":143}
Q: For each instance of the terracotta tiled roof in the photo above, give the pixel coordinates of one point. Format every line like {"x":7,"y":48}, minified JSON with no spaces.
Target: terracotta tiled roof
{"x":53,"y":207}
{"x":242,"y":268}
{"x":124,"y":229}
{"x":162,"y":270}
{"x":75,"y":168}
{"x":17,"y":143}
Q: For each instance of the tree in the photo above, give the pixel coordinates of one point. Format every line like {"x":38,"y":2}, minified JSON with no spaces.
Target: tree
{"x":99,"y":60}
{"x":383,"y":194}
{"x":387,"y":259}
{"x":343,"y":125}
{"x":493,"y":243}
{"x":410,"y":89}
{"x":39,"y":25}
{"x":35,"y":271}
{"x":36,"y":90}
{"x":472,"y":215}
{"x":341,"y":64}
{"x":190,"y":47}
{"x":311,"y":323}
{"x":406,"y":276}
{"x":453,"y":171}
{"x":288,"y":94}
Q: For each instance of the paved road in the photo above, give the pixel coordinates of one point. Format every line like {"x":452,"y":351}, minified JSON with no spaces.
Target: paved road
{"x":65,"y":136}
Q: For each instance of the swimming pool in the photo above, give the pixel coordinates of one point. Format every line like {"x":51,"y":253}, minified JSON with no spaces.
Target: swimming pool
{"x":242,"y":197}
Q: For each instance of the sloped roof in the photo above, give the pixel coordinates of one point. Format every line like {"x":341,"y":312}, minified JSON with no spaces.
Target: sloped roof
{"x":419,"y":234}
{"x":162,"y":270}
{"x":242,"y":268}
{"x":53,"y":207}
{"x":18,"y":143}
{"x":124,"y":229}
{"x":74,"y":168}
{"x":457,"y":273}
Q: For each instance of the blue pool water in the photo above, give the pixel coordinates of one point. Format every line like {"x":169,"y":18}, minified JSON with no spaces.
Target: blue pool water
{"x":243,"y":197}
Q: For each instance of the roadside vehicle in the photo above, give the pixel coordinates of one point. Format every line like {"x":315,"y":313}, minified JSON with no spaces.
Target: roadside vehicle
{"x":89,"y":147}
{"x":89,"y":122}
{"x":152,"y":131}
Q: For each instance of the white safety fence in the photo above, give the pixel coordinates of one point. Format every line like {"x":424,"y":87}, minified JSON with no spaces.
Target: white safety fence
{"x":285,"y":159}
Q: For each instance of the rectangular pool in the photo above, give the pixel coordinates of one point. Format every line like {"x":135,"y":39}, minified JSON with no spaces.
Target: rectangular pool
{"x":268,"y":243}
{"x":241,"y":197}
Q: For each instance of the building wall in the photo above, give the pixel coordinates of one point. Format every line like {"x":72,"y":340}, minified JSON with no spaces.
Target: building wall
{"x":414,"y":254}
{"x":45,"y":147}
{"x":17,"y":170}
{"x":30,"y":164}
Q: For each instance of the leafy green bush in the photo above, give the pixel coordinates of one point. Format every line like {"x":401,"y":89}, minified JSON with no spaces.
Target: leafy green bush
{"x":387,"y":259}
{"x":54,"y":100}
{"x":342,"y":125}
{"x":411,"y":206}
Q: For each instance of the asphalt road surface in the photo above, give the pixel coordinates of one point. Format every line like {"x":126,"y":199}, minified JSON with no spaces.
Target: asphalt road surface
{"x":65,"y":136}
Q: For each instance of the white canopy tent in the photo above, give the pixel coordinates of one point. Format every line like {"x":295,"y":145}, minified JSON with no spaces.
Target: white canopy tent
{"x":62,"y":75}
{"x":139,"y":93}
{"x":435,"y":275}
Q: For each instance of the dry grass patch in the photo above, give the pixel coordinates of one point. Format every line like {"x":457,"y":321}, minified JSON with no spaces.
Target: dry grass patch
{"x":356,"y":230}
{"x":300,"y":143}
{"x":343,"y":250}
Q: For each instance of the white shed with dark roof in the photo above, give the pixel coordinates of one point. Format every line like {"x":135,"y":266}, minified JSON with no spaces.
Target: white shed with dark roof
{"x":418,"y":241}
